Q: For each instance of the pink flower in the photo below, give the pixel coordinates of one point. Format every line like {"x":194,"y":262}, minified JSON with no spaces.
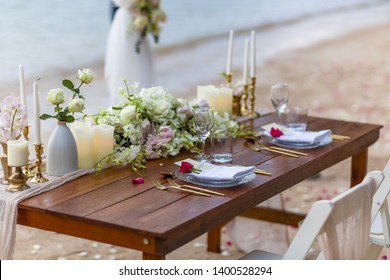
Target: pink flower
{"x":276,"y":132}
{"x":187,"y":167}
{"x":138,"y":181}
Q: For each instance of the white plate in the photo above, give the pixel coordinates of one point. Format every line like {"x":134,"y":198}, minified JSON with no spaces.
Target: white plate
{"x":297,"y":145}
{"x":187,"y":177}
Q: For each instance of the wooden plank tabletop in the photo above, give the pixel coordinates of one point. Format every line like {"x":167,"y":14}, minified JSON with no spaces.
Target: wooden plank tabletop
{"x":109,"y":208}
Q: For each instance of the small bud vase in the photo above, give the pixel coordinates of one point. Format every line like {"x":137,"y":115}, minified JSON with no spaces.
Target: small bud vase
{"x":61,"y":151}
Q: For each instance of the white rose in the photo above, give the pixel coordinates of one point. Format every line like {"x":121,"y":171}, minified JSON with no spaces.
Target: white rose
{"x":76,"y":105}
{"x":128,"y":114}
{"x":86,"y":75}
{"x":140,"y":22}
{"x":56,"y":96}
{"x":162,"y":107}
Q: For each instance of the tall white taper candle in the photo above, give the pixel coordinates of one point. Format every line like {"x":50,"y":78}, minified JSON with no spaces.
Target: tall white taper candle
{"x":253,"y":55}
{"x":21,"y":84}
{"x":37,"y":120}
{"x":229,"y":55}
{"x":245,"y":69}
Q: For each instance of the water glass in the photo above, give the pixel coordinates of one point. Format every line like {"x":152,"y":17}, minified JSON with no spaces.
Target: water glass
{"x":279,"y":95}
{"x":297,"y":118}
{"x":222,"y":149}
{"x":203,"y":118}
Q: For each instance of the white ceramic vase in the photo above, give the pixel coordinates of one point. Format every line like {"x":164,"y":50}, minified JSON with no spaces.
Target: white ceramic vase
{"x":61,"y":151}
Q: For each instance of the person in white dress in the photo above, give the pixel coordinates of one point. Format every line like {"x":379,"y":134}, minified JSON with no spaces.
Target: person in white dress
{"x":122,"y":61}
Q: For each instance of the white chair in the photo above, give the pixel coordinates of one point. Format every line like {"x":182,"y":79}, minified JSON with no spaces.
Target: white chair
{"x":380,"y":228}
{"x":342,"y":225}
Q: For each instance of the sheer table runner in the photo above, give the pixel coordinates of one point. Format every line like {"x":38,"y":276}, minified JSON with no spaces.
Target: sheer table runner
{"x":9,"y":207}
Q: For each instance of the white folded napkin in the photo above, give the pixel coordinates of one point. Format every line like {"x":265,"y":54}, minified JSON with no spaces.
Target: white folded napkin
{"x":309,"y":137}
{"x":223,"y":173}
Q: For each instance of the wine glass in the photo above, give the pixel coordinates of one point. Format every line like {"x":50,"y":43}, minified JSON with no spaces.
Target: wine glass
{"x":203,"y":124}
{"x":279,"y":97}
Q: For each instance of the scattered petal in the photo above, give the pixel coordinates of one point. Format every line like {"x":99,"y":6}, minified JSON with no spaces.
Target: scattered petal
{"x":83,"y":254}
{"x":97,"y":257}
{"x":112,"y":250}
{"x":138,"y":180}
{"x":95,"y":245}
{"x":36,"y":247}
{"x":225,"y":253}
{"x":199,"y":245}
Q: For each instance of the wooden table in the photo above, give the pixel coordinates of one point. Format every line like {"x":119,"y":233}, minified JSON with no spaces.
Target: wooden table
{"x":109,"y":208}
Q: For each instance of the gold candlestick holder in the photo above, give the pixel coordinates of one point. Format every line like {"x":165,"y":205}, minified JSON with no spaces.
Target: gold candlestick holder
{"x":18,"y":181}
{"x":244,"y":101}
{"x":38,"y":177}
{"x":236,"y":112}
{"x":251,"y":90}
{"x":4,"y":164}
{"x":228,"y":78}
{"x":26,"y":170}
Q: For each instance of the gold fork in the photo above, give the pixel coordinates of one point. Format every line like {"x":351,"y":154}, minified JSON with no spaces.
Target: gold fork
{"x":173,"y":183}
{"x":260,"y":147}
{"x":162,"y":187}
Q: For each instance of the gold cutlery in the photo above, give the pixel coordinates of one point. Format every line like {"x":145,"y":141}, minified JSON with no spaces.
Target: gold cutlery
{"x":262,"y":172}
{"x":162,"y":187}
{"x":339,"y":137}
{"x":170,"y":181}
{"x":259,"y":147}
{"x":288,"y":151}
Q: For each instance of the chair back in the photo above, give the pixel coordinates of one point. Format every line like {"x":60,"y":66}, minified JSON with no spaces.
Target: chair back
{"x":342,"y":224}
{"x":380,"y":218}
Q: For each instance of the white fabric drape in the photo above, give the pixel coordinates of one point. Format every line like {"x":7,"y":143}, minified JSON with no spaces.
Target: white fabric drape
{"x":9,"y":207}
{"x":341,"y":240}
{"x":122,"y":62}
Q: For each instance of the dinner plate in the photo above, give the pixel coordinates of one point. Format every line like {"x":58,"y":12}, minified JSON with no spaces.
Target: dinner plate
{"x":297,"y":145}
{"x":188,"y":177}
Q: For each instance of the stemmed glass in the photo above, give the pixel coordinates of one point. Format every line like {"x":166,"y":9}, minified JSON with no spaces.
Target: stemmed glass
{"x":279,"y":97}
{"x":203,"y":124}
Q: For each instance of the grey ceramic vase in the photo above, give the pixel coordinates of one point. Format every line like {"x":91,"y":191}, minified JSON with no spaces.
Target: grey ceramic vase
{"x":61,"y":151}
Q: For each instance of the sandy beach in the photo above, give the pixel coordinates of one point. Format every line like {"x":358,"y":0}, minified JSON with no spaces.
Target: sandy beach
{"x":345,"y":78}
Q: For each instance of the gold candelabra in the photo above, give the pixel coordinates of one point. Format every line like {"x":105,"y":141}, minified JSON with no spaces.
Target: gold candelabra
{"x":26,"y":170}
{"x":38,"y":177}
{"x":4,"y":163}
{"x":228,"y":78}
{"x":18,"y":181}
{"x":251,"y":90}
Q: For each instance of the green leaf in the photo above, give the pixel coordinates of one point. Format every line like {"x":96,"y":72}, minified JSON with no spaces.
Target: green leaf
{"x":45,"y":117}
{"x":69,"y":119}
{"x":76,"y":90}
{"x":68,"y":84}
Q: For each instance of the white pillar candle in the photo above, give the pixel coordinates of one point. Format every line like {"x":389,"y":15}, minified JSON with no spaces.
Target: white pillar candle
{"x":229,"y":54}
{"x":84,"y":134}
{"x":208,"y":93}
{"x":253,"y":55}
{"x":17,"y":152}
{"x":103,"y":142}
{"x":37,"y":120}
{"x":224,"y":101}
{"x":21,"y":84}
{"x":245,"y":69}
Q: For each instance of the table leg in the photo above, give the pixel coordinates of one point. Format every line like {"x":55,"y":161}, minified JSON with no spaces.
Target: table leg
{"x":359,"y":167}
{"x":148,"y":256}
{"x":214,"y":240}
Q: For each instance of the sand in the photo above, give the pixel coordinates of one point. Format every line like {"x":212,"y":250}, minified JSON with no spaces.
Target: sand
{"x":345,"y":78}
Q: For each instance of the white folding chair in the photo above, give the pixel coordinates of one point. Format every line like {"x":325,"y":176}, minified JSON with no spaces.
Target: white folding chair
{"x":380,"y":228}
{"x":349,"y":211}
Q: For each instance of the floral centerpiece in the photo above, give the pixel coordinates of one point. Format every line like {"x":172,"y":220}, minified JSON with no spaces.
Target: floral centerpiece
{"x":147,"y":16}
{"x":152,"y":123}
